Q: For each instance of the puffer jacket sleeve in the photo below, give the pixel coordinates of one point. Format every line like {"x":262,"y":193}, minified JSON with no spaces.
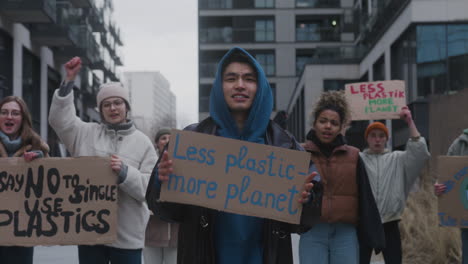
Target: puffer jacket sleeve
{"x":456,"y":149}
{"x":414,"y":158}
{"x":62,"y":118}
{"x":136,"y":182}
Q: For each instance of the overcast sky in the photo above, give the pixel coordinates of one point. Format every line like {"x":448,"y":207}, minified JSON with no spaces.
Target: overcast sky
{"x":161,"y":35}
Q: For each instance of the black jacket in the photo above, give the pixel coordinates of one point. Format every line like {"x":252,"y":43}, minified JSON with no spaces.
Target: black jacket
{"x":196,"y":232}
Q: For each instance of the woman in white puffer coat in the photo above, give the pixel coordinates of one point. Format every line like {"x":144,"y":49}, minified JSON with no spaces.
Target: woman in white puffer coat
{"x":132,"y":159}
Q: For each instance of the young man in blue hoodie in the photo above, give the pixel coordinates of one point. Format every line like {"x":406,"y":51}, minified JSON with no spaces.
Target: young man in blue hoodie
{"x":240,"y":107}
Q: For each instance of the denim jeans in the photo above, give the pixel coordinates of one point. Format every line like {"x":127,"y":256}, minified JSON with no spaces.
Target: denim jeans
{"x":103,"y":255}
{"x":464,"y":240}
{"x":16,"y":255}
{"x":334,"y":243}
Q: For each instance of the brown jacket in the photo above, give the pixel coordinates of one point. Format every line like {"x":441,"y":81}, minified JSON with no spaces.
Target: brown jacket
{"x":340,"y":202}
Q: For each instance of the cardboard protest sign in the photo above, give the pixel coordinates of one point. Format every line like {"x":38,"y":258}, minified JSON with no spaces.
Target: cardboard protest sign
{"x":453,"y":204}
{"x":57,"y":201}
{"x":376,"y":100}
{"x":236,"y":176}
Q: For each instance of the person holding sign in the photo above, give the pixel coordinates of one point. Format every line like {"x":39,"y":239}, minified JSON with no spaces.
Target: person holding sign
{"x":18,"y":139}
{"x":459,"y":147}
{"x":350,"y":217}
{"x":132,"y":157}
{"x":392,"y":174}
{"x":241,"y":103}
{"x":161,"y":236}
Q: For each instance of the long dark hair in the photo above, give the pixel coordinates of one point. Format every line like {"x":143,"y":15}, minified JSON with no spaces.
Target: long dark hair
{"x":26,"y":132}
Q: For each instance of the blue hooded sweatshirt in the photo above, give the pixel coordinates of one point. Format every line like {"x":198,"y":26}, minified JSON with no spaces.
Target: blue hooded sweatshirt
{"x":238,"y":238}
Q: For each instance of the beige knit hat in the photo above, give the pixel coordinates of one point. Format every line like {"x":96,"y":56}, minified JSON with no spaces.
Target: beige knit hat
{"x":112,"y":89}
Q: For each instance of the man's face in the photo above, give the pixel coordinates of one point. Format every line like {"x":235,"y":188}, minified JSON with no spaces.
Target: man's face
{"x":114,"y":110}
{"x":376,"y":139}
{"x":239,"y":87}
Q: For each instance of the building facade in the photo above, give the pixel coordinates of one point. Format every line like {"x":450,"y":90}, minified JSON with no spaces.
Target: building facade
{"x":153,"y":103}
{"x":423,"y":42}
{"x":38,"y":36}
{"x":282,"y":34}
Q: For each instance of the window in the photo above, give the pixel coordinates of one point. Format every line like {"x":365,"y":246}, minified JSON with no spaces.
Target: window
{"x":204,"y":98}
{"x":379,"y":69}
{"x":6,"y":60}
{"x":318,"y":28}
{"x":264,"y":3}
{"x":264,"y":30}
{"x":273,"y":92}
{"x":215,"y":4}
{"x":303,"y":57}
{"x":31,"y":87}
{"x":307,"y":31}
{"x":431,"y":58}
{"x":457,"y":38}
{"x":336,"y":85}
{"x":267,"y":60}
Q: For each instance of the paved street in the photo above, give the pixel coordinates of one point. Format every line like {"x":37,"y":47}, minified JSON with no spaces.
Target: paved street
{"x":69,"y":254}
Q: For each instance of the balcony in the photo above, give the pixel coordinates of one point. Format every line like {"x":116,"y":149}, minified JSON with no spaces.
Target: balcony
{"x":318,"y":3}
{"x":29,"y":11}
{"x":81,"y":3}
{"x":236,"y":4}
{"x":318,"y":34}
{"x":98,"y":63}
{"x":338,"y":55}
{"x":372,"y":26}
{"x":63,"y":33}
{"x":96,"y":19}
{"x":118,"y":57}
{"x":87,"y":48}
{"x":115,"y":31}
{"x":236,"y":35}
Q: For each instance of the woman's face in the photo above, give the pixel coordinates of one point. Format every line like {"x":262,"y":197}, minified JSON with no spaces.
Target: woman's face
{"x":162,"y":141}
{"x":327,"y":126}
{"x":11,"y":119}
{"x":114,"y":110}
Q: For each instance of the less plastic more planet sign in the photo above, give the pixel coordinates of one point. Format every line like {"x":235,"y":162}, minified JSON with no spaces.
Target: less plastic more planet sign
{"x":376,"y":100}
{"x":236,"y":176}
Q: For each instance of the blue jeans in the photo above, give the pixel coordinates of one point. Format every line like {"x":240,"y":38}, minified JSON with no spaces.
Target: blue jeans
{"x":16,"y":255}
{"x":325,"y":243}
{"x":103,"y":255}
{"x":464,"y":240}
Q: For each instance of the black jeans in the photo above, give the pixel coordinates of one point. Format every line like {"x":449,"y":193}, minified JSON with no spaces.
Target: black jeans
{"x":392,"y":252}
{"x":16,"y":255}
{"x":100,"y":254}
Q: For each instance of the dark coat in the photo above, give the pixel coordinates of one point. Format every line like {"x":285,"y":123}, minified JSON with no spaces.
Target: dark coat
{"x":196,"y":233}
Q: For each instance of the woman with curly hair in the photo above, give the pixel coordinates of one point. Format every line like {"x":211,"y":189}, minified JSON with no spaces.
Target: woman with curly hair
{"x":349,"y":214}
{"x":18,"y":139}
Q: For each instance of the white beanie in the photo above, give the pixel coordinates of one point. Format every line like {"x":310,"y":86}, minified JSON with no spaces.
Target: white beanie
{"x":112,"y":89}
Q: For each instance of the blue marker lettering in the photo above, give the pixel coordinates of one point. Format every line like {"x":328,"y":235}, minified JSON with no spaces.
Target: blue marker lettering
{"x":191,"y":153}
{"x":212,"y":187}
{"x":293,"y":192}
{"x":230,"y":195}
{"x":176,"y":147}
